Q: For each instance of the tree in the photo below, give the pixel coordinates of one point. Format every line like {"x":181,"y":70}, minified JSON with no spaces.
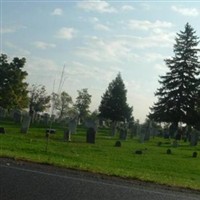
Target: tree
{"x":38,"y":100}
{"x":13,"y":88}
{"x":177,"y":97}
{"x":113,"y":104}
{"x":62,"y":103}
{"x":82,"y":103}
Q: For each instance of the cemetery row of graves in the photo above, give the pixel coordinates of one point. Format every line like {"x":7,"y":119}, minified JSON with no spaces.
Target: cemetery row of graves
{"x":143,"y":132}
{"x":139,"y":151}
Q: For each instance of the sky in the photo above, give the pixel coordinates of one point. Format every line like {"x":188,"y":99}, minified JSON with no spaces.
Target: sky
{"x":95,"y":40}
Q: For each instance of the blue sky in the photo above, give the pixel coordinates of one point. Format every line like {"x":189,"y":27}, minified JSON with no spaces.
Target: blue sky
{"x":96,"y":40}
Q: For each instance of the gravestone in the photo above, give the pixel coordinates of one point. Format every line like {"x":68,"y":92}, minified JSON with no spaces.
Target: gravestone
{"x":90,"y":136}
{"x":2,"y":113}
{"x":46,"y":118}
{"x":172,"y":130}
{"x":17,"y":116}
{"x":118,"y":144}
{"x":194,"y":137}
{"x":72,"y":124}
{"x":25,"y":124}
{"x":2,"y":130}
{"x":67,"y":136}
{"x":194,"y":154}
{"x":122,"y":133}
{"x":142,"y":134}
{"x":133,"y":131}
{"x":91,"y":124}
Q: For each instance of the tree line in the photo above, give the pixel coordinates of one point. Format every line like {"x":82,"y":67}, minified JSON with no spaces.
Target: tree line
{"x":178,"y":98}
{"x":16,"y":93}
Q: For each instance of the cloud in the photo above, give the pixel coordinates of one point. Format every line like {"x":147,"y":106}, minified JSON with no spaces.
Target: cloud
{"x":57,"y":12}
{"x":161,"y":39}
{"x":147,"y":25}
{"x":98,"y":49}
{"x":66,"y":33}
{"x":7,"y":30}
{"x":152,"y":57}
{"x":127,"y":8}
{"x":96,"y":6}
{"x":18,"y":51}
{"x":11,"y":29}
{"x":43,"y":45}
{"x":193,"y":12}
{"x":101,"y":27}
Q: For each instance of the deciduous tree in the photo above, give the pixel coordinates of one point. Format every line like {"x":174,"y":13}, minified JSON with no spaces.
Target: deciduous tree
{"x":13,"y":88}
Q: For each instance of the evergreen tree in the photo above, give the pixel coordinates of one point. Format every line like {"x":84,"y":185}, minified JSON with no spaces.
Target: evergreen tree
{"x":13,"y":88}
{"x":113,"y":104}
{"x":177,"y":97}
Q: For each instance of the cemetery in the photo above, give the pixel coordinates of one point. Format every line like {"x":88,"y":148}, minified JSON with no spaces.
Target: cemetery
{"x":145,"y":154}
{"x":55,"y":130}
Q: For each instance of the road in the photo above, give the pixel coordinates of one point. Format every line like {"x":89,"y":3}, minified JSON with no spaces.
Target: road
{"x":36,"y":182}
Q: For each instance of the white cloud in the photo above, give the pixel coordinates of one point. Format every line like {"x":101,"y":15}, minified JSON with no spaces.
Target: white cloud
{"x":18,"y":51}
{"x":66,"y":33}
{"x":161,"y":39}
{"x":96,"y":6}
{"x":193,"y":12}
{"x":147,"y":25}
{"x":43,"y":45}
{"x":127,"y":8}
{"x":7,"y":30}
{"x":101,"y":27}
{"x":57,"y":11}
{"x":152,"y":57}
{"x":98,"y":49}
{"x":11,"y":29}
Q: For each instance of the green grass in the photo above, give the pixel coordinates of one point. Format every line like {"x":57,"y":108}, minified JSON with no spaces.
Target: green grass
{"x":177,"y":169}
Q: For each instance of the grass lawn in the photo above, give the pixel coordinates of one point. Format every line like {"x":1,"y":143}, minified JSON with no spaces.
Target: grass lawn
{"x":177,"y":169}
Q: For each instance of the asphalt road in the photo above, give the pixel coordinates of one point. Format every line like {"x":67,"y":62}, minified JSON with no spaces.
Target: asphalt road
{"x":36,"y":182}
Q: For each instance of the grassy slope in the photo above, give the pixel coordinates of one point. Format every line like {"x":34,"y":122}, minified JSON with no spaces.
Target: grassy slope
{"x":178,"y":169}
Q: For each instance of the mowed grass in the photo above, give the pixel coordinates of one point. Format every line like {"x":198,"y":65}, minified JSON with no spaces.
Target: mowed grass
{"x":154,"y":165}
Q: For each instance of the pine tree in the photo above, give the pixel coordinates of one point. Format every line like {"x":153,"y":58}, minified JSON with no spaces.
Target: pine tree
{"x":177,"y":97}
{"x":113,"y":103}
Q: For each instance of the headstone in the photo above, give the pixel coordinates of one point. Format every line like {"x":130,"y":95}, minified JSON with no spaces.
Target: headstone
{"x":72,"y":124}
{"x":172,"y":130}
{"x":175,"y":143}
{"x":194,"y":137}
{"x":25,"y":124}
{"x":178,"y":134}
{"x":122,"y":133}
{"x":46,"y":118}
{"x":142,"y":134}
{"x":194,"y":155}
{"x":166,"y":133}
{"x":138,"y":152}
{"x":169,"y":151}
{"x":2,"y":113}
{"x":90,"y":137}
{"x":118,"y":144}
{"x":17,"y":116}
{"x":2,"y":130}
{"x":91,"y":123}
{"x":133,"y":131}
{"x":67,"y":136}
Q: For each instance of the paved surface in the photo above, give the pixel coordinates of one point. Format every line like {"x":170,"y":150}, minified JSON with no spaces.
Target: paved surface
{"x":36,"y":182}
